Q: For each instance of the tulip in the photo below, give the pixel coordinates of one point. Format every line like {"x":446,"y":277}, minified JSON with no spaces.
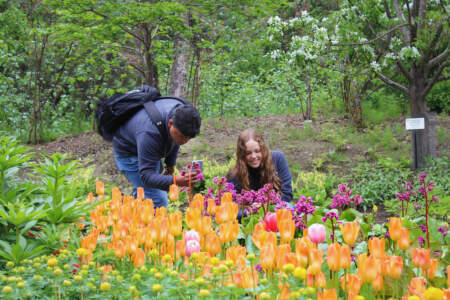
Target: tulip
{"x":192,"y":246}
{"x":245,"y":278}
{"x":267,"y":257}
{"x":395,"y":226}
{"x":192,"y":235}
{"x":287,"y":230}
{"x":100,"y":188}
{"x":289,"y":258}
{"x":193,"y":218}
{"x":417,"y":286}
{"x":205,"y":227}
{"x":320,"y":280}
{"x":213,"y":246}
{"x":315,"y":258}
{"x":421,"y":257}
{"x":283,"y":214}
{"x":270,"y":222}
{"x":430,"y":271}
{"x":350,"y":232}
{"x":227,"y":197}
{"x":211,"y":207}
{"x":377,"y":247}
{"x":403,"y":242}
{"x":173,"y":192}
{"x":227,"y":211}
{"x":394,"y":267}
{"x":328,"y":294}
{"x":333,"y":254}
{"x":302,"y":249}
{"x":377,"y":283}
{"x":351,"y":283}
{"x":317,"y":233}
{"x":345,"y":257}
{"x":281,"y":250}
{"x":368,"y":267}
{"x":138,"y":257}
{"x":229,"y":231}
{"x":180,"y":248}
{"x":140,"y":193}
{"x":237,"y":254}
{"x":175,"y":223}
{"x":197,"y":202}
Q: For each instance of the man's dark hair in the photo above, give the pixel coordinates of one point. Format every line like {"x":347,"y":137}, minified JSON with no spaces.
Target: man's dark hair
{"x":186,"y":119}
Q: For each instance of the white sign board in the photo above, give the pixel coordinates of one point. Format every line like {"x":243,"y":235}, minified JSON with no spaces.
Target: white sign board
{"x":415,"y":123}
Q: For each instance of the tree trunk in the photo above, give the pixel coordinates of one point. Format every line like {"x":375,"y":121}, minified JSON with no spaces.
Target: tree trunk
{"x":178,"y":78}
{"x":424,"y":144}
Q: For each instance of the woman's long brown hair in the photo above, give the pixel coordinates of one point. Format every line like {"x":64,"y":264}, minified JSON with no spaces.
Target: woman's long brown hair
{"x":267,"y":170}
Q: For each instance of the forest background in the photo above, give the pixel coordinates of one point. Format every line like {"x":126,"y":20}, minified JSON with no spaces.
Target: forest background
{"x":357,"y":69}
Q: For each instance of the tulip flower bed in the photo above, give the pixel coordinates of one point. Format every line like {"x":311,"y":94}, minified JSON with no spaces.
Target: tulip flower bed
{"x":133,"y":250}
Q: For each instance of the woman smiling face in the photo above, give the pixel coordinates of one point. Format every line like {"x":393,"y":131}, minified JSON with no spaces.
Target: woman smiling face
{"x":253,"y":154}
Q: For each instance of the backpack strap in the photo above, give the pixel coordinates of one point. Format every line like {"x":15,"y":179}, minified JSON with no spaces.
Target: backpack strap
{"x":156,"y":117}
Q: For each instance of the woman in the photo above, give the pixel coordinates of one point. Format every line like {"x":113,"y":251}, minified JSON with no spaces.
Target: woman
{"x":256,"y":166}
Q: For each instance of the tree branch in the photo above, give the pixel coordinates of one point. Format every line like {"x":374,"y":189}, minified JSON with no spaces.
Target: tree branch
{"x":433,"y":43}
{"x":372,"y":40}
{"x":405,"y":72}
{"x":435,"y":77}
{"x":400,"y":15}
{"x":392,"y":83}
{"x":438,"y":59}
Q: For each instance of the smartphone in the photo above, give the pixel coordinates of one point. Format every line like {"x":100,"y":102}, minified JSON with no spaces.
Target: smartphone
{"x":200,"y":162}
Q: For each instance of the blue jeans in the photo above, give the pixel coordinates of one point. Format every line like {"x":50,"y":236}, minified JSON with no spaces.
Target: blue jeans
{"x":129,"y":166}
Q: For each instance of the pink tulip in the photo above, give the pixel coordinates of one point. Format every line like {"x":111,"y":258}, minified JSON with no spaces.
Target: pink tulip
{"x":317,"y":233}
{"x":192,"y":235}
{"x":270,"y":222}
{"x":192,"y":246}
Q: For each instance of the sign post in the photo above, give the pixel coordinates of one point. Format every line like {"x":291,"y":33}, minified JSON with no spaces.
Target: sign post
{"x":415,"y":124}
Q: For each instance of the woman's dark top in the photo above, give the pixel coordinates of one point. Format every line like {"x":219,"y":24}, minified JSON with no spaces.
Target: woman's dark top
{"x":281,"y":170}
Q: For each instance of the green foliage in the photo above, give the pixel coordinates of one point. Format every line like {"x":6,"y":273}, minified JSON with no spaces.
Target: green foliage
{"x":437,"y":99}
{"x":47,"y":193}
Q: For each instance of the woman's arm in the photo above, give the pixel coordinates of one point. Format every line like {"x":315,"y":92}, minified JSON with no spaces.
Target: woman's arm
{"x":284,"y":174}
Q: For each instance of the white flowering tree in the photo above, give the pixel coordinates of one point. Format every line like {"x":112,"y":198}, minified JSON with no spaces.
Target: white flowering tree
{"x":403,"y":43}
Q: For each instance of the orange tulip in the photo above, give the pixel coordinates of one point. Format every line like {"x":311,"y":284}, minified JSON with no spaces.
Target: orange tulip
{"x":333,"y":254}
{"x":377,"y":247}
{"x":403,"y":242}
{"x":229,"y":231}
{"x":287,"y":229}
{"x":302,"y":248}
{"x":328,"y":294}
{"x":351,"y":283}
{"x":261,"y":237}
{"x":213,"y":246}
{"x":138,"y":257}
{"x":430,"y":271}
{"x":180,"y":248}
{"x":227,"y":211}
{"x":315,"y":258}
{"x":421,"y":257}
{"x":281,"y":250}
{"x":245,"y":278}
{"x":283,"y":214}
{"x":345,"y":257}
{"x":119,"y":249}
{"x":175,"y":223}
{"x":237,"y":254}
{"x":100,"y":188}
{"x":395,"y":226}
{"x":169,"y":246}
{"x":140,"y":193}
{"x":197,"y":202}
{"x":205,"y":225}
{"x":173,"y":192}
{"x":320,"y":280}
{"x":226,"y":197}
{"x":211,"y":207}
{"x":267,"y":257}
{"x":448,"y":276}
{"x":368,"y":267}
{"x":394,"y":267}
{"x":417,"y":286}
{"x":350,"y":231}
{"x":193,"y":218}
{"x":377,"y":283}
{"x":289,"y":258}
{"x":161,"y":228}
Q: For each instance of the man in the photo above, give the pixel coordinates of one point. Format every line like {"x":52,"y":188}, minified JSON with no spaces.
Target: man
{"x":139,"y":148}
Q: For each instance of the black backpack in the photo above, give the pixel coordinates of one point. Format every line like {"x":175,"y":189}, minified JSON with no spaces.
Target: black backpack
{"x":114,"y":111}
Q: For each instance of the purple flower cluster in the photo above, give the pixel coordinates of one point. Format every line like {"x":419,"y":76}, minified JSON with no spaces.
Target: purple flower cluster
{"x":408,"y":192}
{"x":443,"y":229}
{"x":305,"y":206}
{"x":193,"y":168}
{"x":253,"y":200}
{"x":222,"y":187}
{"x":343,"y":198}
{"x":330,"y":215}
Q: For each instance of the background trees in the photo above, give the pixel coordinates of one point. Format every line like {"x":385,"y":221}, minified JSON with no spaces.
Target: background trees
{"x":57,"y":59}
